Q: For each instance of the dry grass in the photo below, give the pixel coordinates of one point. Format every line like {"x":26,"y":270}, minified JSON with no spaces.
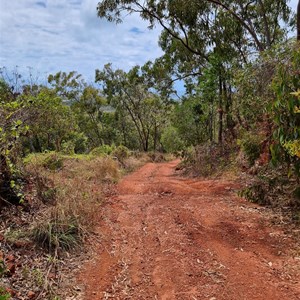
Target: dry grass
{"x":79,"y":189}
{"x":71,"y":190}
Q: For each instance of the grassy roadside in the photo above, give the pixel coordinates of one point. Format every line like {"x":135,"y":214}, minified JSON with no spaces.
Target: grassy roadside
{"x":42,"y":240}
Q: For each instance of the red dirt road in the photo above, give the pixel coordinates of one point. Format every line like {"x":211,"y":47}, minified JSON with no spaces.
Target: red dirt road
{"x":165,"y":237}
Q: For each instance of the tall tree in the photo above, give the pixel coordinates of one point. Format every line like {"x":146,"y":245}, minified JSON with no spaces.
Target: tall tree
{"x":184,"y":20}
{"x":298,"y":21}
{"x":131,"y":92}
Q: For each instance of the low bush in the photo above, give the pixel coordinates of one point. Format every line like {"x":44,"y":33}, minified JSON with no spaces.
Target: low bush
{"x":206,"y":160}
{"x":272,"y":187}
{"x":121,"y":153}
{"x":68,"y":148}
{"x":53,"y":162}
{"x":156,"y":157}
{"x":132,"y":163}
{"x":251,"y":146}
{"x":102,"y":150}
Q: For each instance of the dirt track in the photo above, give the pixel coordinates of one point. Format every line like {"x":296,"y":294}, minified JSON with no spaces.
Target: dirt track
{"x":165,"y":237}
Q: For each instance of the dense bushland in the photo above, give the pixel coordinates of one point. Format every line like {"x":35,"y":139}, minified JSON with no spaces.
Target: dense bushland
{"x":63,"y":143}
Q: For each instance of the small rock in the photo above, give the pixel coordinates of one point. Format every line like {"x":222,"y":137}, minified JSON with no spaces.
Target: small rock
{"x":21,"y":244}
{"x":270,"y":264}
{"x":10,"y":258}
{"x":11,"y":267}
{"x":31,"y":295}
{"x":19,"y":264}
{"x":53,"y":276}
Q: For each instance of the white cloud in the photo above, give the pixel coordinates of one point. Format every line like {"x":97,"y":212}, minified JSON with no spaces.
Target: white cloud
{"x":58,"y":35}
{"x":54,"y":35}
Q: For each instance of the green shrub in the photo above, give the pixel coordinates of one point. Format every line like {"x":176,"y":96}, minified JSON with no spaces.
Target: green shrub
{"x":285,"y":110}
{"x":80,"y":143}
{"x":121,"y":153}
{"x":53,"y":162}
{"x":171,"y":140}
{"x":255,"y":193}
{"x":251,"y":146}
{"x":68,"y":148}
{"x":102,"y":150}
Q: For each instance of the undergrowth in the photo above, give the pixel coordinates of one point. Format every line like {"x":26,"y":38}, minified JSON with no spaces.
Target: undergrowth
{"x":72,"y":194}
{"x":207,"y":160}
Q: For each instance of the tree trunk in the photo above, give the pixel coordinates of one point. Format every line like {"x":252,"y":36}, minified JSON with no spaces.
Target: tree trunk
{"x":220,"y":111}
{"x":155,"y":138}
{"x":298,"y":21}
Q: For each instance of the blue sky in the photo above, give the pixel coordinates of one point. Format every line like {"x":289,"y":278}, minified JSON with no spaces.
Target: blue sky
{"x":66,"y":35}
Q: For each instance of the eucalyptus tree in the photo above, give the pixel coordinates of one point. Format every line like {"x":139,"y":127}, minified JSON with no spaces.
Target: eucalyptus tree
{"x":213,"y":34}
{"x":187,"y":21}
{"x":89,"y":114}
{"x":68,"y":86}
{"x":133,"y":93}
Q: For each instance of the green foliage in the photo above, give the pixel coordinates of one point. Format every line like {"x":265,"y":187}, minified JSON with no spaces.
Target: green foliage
{"x":102,"y":150}
{"x":2,"y":268}
{"x":190,"y":120}
{"x":133,"y":97}
{"x":68,"y":86}
{"x":91,"y":117}
{"x":121,"y":153}
{"x":4,"y":295}
{"x":256,"y":193}
{"x":251,"y":146}
{"x":53,"y":162}
{"x":53,"y":123}
{"x":286,"y":85}
{"x":68,"y":147}
{"x":171,"y":140}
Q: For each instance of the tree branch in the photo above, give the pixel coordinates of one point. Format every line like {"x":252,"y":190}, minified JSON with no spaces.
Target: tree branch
{"x":240,"y":20}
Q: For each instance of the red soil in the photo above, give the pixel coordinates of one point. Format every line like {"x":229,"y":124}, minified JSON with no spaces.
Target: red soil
{"x":165,"y":237}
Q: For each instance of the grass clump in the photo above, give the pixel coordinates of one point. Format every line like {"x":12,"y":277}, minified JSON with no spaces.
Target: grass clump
{"x":54,"y":234}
